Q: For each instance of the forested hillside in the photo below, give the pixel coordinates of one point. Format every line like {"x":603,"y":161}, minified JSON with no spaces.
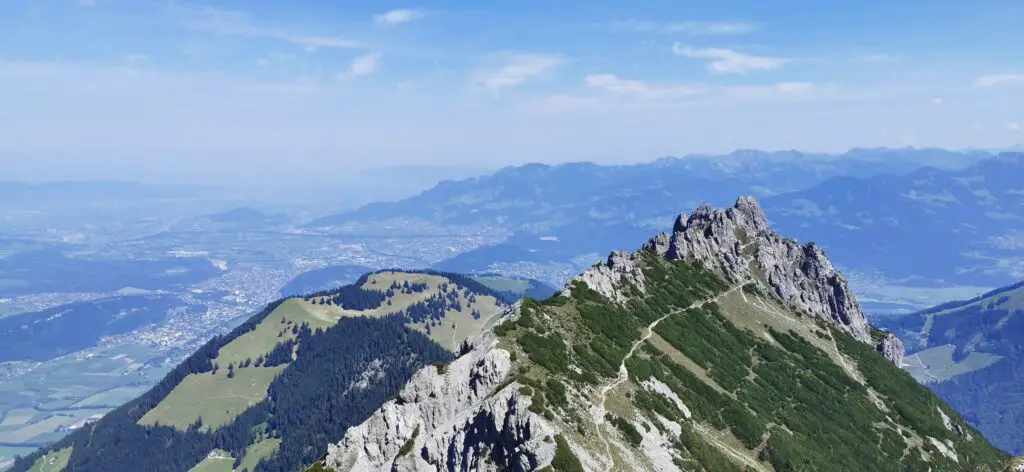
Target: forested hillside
{"x":297,"y":374}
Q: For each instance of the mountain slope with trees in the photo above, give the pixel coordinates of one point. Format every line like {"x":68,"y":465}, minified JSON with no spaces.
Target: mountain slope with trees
{"x":971,"y":353}
{"x":718,"y":346}
{"x":299,"y":373}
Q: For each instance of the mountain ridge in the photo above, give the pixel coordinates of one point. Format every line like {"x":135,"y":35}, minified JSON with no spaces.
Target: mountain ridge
{"x":790,"y":170}
{"x":720,"y":345}
{"x":633,"y":367}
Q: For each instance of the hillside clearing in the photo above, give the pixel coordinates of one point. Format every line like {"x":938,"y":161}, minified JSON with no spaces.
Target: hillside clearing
{"x":215,"y":398}
{"x":53,"y":462}
{"x":216,"y":461}
{"x":259,"y":451}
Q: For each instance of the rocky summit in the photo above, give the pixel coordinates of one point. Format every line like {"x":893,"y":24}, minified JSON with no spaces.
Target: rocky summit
{"x":718,"y":346}
{"x":738,"y":243}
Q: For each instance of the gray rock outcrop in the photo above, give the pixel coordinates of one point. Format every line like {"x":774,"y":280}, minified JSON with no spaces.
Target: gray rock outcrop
{"x":611,"y":278}
{"x":466,"y":417}
{"x":738,"y":243}
{"x":892,"y":348}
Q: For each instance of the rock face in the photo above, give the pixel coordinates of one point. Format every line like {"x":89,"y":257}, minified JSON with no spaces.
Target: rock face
{"x":1016,"y":465}
{"x":892,"y":348}
{"x":465,"y":416}
{"x":738,"y":242}
{"x":609,"y":279}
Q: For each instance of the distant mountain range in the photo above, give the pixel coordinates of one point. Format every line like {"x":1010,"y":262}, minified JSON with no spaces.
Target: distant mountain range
{"x":930,"y":226}
{"x":906,"y":217}
{"x":971,"y":353}
{"x":534,"y":196}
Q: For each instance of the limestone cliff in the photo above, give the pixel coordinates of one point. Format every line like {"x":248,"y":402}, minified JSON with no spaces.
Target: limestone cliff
{"x":892,"y":348}
{"x":739,"y":243}
{"x":463,"y":416}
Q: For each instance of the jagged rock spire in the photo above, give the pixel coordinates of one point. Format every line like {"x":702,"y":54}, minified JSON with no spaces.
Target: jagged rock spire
{"x":739,"y":243}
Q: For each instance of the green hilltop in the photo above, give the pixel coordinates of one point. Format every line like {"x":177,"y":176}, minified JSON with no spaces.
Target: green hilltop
{"x":298,"y":373}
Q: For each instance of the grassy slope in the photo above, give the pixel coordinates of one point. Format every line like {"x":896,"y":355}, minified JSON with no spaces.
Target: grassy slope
{"x":221,"y":462}
{"x":52,"y":462}
{"x":213,"y":397}
{"x":766,"y":388}
{"x":258,"y":451}
{"x":218,"y":399}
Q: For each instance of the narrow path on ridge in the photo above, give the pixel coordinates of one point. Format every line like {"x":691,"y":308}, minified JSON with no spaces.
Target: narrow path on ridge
{"x":599,"y":410}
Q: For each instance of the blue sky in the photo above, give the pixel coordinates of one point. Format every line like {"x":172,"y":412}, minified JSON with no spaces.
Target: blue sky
{"x":257,"y":90}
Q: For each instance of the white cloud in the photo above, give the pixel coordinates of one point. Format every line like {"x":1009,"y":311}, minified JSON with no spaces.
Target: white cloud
{"x":998,"y":79}
{"x":276,"y":58}
{"x":727,"y":61}
{"x":937,"y":101}
{"x":365,"y":64}
{"x":517,"y":68}
{"x":314,"y":42}
{"x":793,"y":86}
{"x":235,"y":23}
{"x":396,"y":17}
{"x":641,"y":89}
{"x":706,"y":92}
{"x":136,"y":58}
{"x":695,"y":28}
{"x":1014,"y":127}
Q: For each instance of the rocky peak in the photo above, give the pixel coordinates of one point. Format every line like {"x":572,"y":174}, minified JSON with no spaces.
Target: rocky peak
{"x":610,"y":278}
{"x":892,"y":348}
{"x":738,"y":243}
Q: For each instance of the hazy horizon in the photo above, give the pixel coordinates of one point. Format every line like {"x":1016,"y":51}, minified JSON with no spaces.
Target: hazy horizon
{"x":420,"y":173}
{"x":262,"y":91}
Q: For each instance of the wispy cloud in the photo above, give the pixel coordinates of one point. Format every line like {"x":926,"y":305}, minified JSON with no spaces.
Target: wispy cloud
{"x":136,"y":58}
{"x":276,"y":58}
{"x":517,"y":68}
{"x":396,"y":17}
{"x":695,"y":28}
{"x":1014,"y":126}
{"x":727,"y":61}
{"x":644,"y":90}
{"x":998,"y":79}
{"x":365,"y":64}
{"x":641,"y":89}
{"x":235,"y":23}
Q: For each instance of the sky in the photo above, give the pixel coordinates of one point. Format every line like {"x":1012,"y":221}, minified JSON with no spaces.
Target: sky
{"x":259,"y":91}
